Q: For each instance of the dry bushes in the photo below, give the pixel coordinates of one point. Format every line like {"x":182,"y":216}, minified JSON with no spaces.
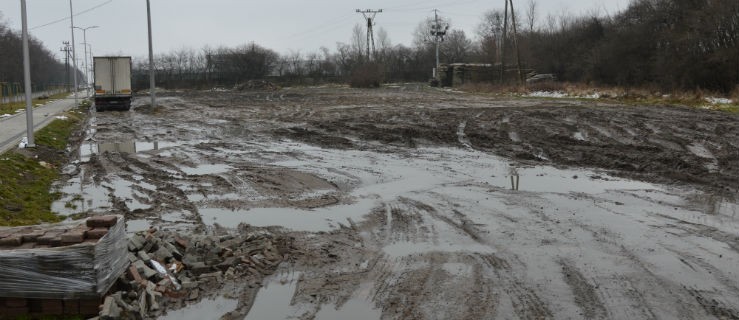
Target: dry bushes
{"x":369,"y":75}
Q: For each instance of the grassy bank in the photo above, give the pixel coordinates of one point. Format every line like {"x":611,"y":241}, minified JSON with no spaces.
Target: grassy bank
{"x":26,"y":175}
{"x":10,"y":108}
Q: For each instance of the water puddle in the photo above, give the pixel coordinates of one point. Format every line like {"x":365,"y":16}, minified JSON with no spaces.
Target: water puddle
{"x":205,"y":309}
{"x":206,"y":169}
{"x":358,"y":307}
{"x":457,"y":269}
{"x":378,"y":178}
{"x":274,"y":302}
{"x":402,"y":249}
{"x":133,"y":226}
{"x":89,"y":148}
{"x":313,"y":220}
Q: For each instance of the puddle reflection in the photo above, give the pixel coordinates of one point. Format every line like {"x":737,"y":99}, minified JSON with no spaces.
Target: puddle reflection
{"x":130,"y":147}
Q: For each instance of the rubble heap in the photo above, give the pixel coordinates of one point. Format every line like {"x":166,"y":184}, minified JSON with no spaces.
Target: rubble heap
{"x":169,"y":270}
{"x":257,"y":85}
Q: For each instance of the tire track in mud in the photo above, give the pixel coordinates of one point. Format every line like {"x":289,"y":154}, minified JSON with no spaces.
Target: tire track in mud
{"x":494,"y":271}
{"x":586,"y":295}
{"x":653,"y":289}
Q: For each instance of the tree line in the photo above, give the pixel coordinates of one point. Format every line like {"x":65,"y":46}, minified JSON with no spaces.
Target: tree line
{"x":45,"y":69}
{"x":673,"y":44}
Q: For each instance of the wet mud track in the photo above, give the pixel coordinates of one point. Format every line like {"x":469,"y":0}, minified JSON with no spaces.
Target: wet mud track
{"x":412,"y":203}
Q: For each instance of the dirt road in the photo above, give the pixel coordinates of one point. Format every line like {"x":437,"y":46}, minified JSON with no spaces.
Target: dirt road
{"x":412,"y":203}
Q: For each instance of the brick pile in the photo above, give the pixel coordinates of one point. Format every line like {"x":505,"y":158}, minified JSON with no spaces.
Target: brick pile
{"x":56,"y":236}
{"x":60,"y":270}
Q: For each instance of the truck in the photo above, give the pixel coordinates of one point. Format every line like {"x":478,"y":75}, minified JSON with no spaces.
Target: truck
{"x":112,"y":83}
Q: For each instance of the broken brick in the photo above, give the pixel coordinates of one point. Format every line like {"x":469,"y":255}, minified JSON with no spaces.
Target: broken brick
{"x":72,"y":237}
{"x":11,"y":241}
{"x":31,"y":237}
{"x":97,"y":233}
{"x":102,"y":221}
{"x":48,"y":237}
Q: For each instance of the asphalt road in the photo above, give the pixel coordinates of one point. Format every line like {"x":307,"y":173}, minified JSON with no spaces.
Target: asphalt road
{"x":13,"y":129}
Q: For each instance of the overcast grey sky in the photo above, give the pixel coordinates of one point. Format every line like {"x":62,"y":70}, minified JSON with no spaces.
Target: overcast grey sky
{"x":282,"y":25}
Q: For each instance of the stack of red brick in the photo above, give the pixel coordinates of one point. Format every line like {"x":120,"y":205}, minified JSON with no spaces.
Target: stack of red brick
{"x":56,"y":236}
{"x":60,"y":270}
{"x":12,"y":308}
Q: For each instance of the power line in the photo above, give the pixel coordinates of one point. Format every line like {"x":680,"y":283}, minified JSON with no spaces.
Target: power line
{"x":76,"y":14}
{"x":322,"y":27}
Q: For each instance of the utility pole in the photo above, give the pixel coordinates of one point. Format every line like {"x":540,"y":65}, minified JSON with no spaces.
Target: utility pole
{"x":74,"y":54}
{"x":502,"y":43}
{"x":66,"y":49}
{"x":151,"y":56}
{"x":369,"y":15}
{"x":27,"y":77}
{"x":438,"y":32}
{"x":515,"y":44}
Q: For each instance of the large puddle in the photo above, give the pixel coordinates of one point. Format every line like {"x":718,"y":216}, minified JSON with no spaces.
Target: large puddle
{"x":205,"y":309}
{"x":379,"y":178}
{"x":274,"y":302}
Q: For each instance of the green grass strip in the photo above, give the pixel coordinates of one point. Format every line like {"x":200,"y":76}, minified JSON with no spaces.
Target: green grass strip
{"x":26,"y":175}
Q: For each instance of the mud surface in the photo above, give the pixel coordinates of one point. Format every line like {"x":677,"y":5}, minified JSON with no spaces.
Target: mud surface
{"x":412,"y":203}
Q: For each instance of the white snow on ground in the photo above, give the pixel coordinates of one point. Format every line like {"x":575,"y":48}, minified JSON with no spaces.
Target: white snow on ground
{"x":714,"y":100}
{"x":62,"y":117}
{"x":595,"y":95}
{"x":547,"y":94}
{"x":5,"y":115}
{"x":24,"y":143}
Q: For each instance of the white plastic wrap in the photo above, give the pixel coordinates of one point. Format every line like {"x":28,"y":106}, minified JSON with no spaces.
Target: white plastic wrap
{"x":81,"y":270}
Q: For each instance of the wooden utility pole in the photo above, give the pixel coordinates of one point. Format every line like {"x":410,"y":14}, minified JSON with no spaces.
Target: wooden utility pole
{"x":502,"y":44}
{"x":515,"y":43}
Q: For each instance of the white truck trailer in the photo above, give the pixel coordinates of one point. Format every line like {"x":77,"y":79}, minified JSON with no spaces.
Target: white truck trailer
{"x":112,"y":83}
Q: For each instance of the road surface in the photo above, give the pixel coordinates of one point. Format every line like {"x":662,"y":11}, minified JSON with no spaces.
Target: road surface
{"x":13,"y":129}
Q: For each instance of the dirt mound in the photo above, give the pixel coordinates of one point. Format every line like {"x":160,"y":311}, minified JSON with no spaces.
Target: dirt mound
{"x":256,"y":85}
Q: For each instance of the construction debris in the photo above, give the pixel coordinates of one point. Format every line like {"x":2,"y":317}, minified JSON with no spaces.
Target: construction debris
{"x":257,"y":85}
{"x":169,"y":270}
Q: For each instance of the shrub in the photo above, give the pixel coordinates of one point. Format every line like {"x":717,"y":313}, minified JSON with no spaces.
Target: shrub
{"x":368,"y":75}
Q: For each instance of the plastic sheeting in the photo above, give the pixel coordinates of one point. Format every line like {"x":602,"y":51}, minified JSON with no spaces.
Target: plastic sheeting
{"x":82,"y":270}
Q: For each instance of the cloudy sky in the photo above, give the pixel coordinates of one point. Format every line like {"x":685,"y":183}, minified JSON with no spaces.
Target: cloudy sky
{"x":282,"y":25}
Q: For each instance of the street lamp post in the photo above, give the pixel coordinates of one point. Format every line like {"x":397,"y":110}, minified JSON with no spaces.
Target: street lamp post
{"x":74,"y":53}
{"x":151,"y":56}
{"x":27,"y":77}
{"x":87,"y":72}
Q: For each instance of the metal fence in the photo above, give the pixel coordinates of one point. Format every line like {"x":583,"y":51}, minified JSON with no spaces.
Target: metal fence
{"x":14,"y":92}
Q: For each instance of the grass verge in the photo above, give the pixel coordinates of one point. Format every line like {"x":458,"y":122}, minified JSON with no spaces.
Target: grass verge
{"x":11,"y":108}
{"x":26,"y":175}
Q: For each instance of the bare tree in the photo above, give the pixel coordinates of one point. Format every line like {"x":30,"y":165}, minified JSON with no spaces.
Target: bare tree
{"x":456,"y":47}
{"x":531,"y":14}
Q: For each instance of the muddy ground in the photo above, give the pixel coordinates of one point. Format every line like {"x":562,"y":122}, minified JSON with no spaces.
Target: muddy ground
{"x":414,"y":203}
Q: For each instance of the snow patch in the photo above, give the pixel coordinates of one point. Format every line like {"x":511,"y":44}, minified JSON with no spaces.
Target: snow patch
{"x":62,"y":117}
{"x":23,"y":144}
{"x":714,"y":100}
{"x":547,"y":94}
{"x":5,"y":115}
